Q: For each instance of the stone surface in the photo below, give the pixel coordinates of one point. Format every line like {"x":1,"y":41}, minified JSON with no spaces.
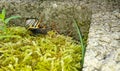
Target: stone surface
{"x":57,"y":15}
{"x":103,"y":50}
{"x":103,"y":5}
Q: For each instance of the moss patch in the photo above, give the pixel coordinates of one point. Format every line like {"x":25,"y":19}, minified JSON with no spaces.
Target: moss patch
{"x":52,"y":52}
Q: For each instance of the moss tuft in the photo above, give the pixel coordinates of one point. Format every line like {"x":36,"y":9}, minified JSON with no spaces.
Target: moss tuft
{"x":51,"y":52}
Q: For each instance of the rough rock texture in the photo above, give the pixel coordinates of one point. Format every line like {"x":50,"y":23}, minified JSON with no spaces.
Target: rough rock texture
{"x":103,"y":5}
{"x":56,"y":14}
{"x":103,"y":50}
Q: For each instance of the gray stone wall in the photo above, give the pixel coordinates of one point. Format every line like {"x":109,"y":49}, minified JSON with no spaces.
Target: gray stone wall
{"x":103,"y":5}
{"x":57,"y":13}
{"x":103,"y":47}
{"x":24,"y":8}
{"x":103,"y":50}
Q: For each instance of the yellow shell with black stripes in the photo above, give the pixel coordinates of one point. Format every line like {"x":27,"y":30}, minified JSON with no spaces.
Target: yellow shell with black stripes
{"x":34,"y":25}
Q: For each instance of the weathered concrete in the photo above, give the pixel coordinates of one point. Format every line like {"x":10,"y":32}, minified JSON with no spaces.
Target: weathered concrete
{"x":103,"y":50}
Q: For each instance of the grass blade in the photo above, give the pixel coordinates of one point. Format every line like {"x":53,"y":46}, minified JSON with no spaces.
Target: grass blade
{"x":81,"y":41}
{"x":12,"y":17}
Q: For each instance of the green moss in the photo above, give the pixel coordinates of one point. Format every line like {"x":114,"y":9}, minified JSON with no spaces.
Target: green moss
{"x":51,"y":52}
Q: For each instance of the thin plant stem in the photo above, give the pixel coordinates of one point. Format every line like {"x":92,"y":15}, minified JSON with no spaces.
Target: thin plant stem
{"x":81,"y":41}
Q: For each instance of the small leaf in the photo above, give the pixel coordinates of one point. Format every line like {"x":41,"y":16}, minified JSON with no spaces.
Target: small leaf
{"x":3,"y":14}
{"x":12,"y":17}
{"x":1,"y":18}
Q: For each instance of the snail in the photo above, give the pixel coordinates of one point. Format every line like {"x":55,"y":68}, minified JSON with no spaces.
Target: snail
{"x":35,"y":26}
